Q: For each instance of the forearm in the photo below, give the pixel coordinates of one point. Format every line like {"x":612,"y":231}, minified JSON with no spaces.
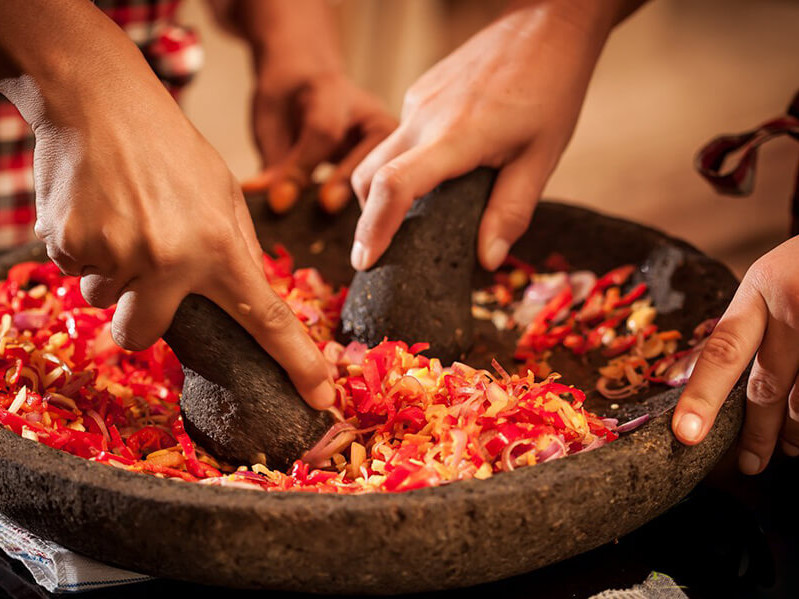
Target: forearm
{"x":283,"y":30}
{"x":58,"y":56}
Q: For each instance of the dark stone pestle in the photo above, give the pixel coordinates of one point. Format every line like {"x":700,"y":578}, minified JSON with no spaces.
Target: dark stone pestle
{"x":238,"y":403}
{"x":420,"y":289}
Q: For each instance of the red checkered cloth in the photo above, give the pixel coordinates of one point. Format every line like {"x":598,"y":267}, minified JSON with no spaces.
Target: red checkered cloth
{"x":173,"y":52}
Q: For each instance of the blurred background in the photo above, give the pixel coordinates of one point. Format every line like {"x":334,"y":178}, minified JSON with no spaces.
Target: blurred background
{"x":674,"y":75}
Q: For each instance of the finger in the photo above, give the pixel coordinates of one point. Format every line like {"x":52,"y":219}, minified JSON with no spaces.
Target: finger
{"x":790,"y":430}
{"x":323,"y":126}
{"x":725,"y":356}
{"x":144,"y":313}
{"x":393,"y":189}
{"x":385,"y":151}
{"x":273,"y":130}
{"x":247,"y":229}
{"x":100,"y":291}
{"x":773,"y":374}
{"x":243,"y":292}
{"x":510,"y":207}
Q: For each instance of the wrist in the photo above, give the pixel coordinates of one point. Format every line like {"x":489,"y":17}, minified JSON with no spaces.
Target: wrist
{"x":85,"y":69}
{"x":300,"y":33}
{"x":593,"y":20}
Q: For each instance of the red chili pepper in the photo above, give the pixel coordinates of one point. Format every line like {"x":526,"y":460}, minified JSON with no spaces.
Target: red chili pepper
{"x":634,"y":294}
{"x":193,"y":465}
{"x":165,"y":470}
{"x":149,"y":439}
{"x":413,"y":415}
{"x":617,"y":277}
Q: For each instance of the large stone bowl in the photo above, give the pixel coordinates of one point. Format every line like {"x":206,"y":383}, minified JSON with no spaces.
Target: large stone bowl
{"x":452,"y":536}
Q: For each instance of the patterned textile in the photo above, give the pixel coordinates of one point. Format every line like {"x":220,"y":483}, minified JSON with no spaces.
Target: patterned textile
{"x":173,"y":53}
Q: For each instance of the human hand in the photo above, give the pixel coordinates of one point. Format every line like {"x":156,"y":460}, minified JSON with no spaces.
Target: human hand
{"x":761,"y":321}
{"x":508,"y":98}
{"x":305,"y":110}
{"x":301,"y":121}
{"x":131,"y":198}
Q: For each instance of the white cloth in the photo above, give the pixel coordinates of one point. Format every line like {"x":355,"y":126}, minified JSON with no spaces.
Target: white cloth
{"x":56,"y":568}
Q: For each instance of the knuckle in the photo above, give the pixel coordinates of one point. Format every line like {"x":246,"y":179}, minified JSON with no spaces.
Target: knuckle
{"x":163,"y":257}
{"x":763,"y":389}
{"x":722,"y":349}
{"x":277,"y":315}
{"x":756,"y":438}
{"x":390,"y":179}
{"x":359,"y":182}
{"x":514,"y":218}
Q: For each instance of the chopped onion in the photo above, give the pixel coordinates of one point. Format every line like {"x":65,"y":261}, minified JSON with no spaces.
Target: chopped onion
{"x":582,"y":282}
{"x":507,"y":459}
{"x":602,"y":385}
{"x":555,"y":450}
{"x":632,"y":424}
{"x":100,"y":424}
{"x":22,"y":395}
{"x":545,"y":287}
{"x":679,"y":372}
{"x":353,"y":353}
{"x":595,"y":444}
{"x":334,"y":440}
{"x":408,"y":386}
{"x":30,"y":320}
{"x":536,"y":296}
{"x":458,"y":446}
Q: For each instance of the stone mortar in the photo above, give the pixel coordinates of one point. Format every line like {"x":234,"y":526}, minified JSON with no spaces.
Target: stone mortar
{"x":452,"y":536}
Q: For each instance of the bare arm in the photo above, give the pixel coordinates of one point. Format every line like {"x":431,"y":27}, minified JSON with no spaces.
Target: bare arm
{"x":119,"y":169}
{"x":508,"y":98}
{"x":305,"y":109}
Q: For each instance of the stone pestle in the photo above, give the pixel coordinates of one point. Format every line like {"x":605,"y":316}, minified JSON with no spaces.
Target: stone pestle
{"x":237,"y":402}
{"x":420,"y":289}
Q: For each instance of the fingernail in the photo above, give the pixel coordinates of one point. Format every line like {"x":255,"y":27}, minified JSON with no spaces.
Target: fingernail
{"x":748,"y":462}
{"x":790,"y":449}
{"x":690,"y":427}
{"x":334,"y":197}
{"x":358,"y":256}
{"x":496,"y":253}
{"x":322,"y":396}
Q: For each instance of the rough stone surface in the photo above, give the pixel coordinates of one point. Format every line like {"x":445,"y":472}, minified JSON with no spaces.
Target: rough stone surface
{"x":420,"y":289}
{"x":453,"y":536}
{"x":237,"y":401}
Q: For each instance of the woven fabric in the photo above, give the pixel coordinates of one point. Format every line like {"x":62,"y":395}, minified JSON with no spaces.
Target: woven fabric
{"x":173,"y":52}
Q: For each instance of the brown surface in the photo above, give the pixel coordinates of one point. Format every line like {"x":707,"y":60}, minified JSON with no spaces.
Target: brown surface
{"x":451,"y":536}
